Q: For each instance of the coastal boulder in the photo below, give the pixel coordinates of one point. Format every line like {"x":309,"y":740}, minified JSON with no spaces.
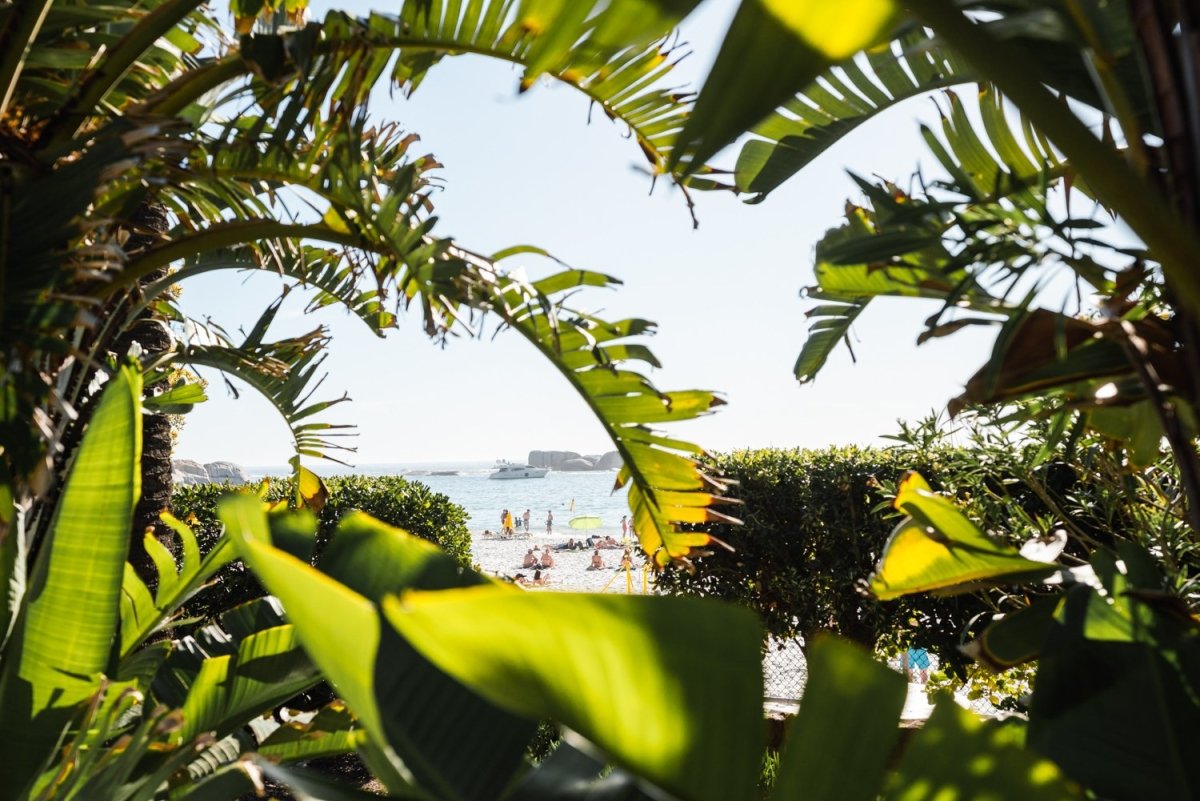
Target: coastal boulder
{"x":551,"y":459}
{"x":609,"y":461}
{"x":576,"y":465}
{"x":220,"y":472}
{"x":185,"y":472}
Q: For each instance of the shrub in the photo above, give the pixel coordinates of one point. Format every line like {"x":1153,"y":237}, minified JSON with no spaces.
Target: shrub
{"x":397,"y":501}
{"x":814,"y":526}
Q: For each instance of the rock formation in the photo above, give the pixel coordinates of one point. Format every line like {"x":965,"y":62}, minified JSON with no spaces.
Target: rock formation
{"x":185,"y":471}
{"x":572,"y":461}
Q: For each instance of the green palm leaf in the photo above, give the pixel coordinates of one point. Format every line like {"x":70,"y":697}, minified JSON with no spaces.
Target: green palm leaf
{"x":610,"y":57}
{"x":286,"y":373}
{"x":49,"y":668}
{"x":142,"y":613}
{"x":770,"y":52}
{"x":984,"y":225}
{"x":840,"y":100}
{"x":669,"y":488}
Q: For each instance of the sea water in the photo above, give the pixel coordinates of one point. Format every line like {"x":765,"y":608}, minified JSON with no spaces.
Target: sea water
{"x":566,"y":494}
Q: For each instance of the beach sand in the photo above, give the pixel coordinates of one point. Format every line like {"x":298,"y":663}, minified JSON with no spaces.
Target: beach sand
{"x":503,"y":558}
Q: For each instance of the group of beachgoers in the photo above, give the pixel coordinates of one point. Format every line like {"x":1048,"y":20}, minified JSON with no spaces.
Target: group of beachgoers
{"x":539,"y":558}
{"x":517,"y":525}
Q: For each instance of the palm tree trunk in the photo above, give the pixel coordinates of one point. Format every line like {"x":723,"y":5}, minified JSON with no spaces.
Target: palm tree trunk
{"x":152,"y":336}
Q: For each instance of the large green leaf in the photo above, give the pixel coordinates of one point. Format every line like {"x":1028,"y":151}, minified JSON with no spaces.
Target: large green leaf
{"x":374,"y":560}
{"x":958,"y":755}
{"x":1115,"y":702}
{"x":838,"y":746}
{"x":65,"y":636}
{"x":936,"y":547}
{"x":635,"y":675}
{"x":332,"y":730}
{"x":390,"y":688}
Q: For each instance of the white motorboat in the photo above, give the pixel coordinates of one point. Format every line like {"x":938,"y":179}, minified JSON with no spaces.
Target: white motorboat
{"x":511,"y":470}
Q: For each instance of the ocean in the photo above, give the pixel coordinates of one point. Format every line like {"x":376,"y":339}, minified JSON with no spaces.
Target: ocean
{"x":565,"y":494}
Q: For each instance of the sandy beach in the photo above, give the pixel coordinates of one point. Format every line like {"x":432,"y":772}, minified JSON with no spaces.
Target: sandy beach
{"x":570,"y":572}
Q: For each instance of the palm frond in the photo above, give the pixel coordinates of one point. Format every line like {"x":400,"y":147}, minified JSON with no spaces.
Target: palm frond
{"x":168,"y":22}
{"x":838,"y":101}
{"x":348,"y":57}
{"x":668,"y":487}
{"x":87,"y":59}
{"x":285,"y":372}
{"x":967,"y":240}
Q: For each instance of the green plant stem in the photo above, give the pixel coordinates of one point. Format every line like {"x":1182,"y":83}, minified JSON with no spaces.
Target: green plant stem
{"x":221,"y":236}
{"x":15,"y":40}
{"x":1110,"y":177}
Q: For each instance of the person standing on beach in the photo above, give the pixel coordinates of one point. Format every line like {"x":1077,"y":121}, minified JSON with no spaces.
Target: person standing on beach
{"x":624,"y":527}
{"x":549,"y":521}
{"x":525,"y":519}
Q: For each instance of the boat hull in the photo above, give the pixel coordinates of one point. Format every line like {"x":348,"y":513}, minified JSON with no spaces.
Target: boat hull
{"x":520,"y":472}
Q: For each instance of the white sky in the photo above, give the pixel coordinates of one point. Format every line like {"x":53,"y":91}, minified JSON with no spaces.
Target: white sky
{"x":529,"y":169}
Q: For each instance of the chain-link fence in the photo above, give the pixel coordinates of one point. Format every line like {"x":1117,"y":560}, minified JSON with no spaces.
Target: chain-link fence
{"x":785,"y":673}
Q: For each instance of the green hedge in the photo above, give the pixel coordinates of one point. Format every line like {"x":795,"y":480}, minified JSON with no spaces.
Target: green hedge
{"x":409,"y":505}
{"x":815,"y":522}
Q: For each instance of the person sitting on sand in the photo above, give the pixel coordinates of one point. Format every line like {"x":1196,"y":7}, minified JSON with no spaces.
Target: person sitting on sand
{"x":547,"y":559}
{"x":627,"y":560}
{"x":530,"y":560}
{"x":597,"y":561}
{"x":538,"y":579}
